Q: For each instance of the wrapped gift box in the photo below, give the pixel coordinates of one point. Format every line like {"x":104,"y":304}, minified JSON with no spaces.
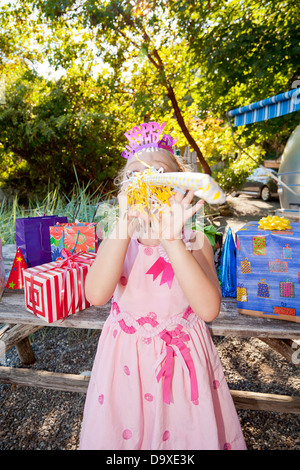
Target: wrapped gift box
{"x":268,"y":272}
{"x":75,"y":237}
{"x":55,"y":290}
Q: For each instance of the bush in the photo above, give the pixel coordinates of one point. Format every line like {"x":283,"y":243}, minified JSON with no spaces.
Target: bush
{"x":49,"y":127}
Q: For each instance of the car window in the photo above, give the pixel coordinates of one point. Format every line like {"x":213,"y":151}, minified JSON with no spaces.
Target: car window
{"x":257,"y":173}
{"x":261,"y":172}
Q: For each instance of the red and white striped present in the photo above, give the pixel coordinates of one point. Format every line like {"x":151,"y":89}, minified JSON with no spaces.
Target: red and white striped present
{"x":55,"y":290}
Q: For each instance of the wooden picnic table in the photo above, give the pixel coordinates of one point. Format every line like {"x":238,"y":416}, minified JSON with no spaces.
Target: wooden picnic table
{"x":18,"y":324}
{"x":278,"y":334}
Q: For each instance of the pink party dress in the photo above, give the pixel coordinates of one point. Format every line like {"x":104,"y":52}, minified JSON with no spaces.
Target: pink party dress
{"x":157,"y":382}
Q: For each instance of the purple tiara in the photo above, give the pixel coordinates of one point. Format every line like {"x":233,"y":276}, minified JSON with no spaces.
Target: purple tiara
{"x":146,"y":136}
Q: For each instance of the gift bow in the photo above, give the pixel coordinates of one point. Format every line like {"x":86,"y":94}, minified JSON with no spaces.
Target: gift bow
{"x":71,"y":259}
{"x":162,"y":266}
{"x":175,"y":346}
{"x":69,"y":263}
{"x":274,"y":223}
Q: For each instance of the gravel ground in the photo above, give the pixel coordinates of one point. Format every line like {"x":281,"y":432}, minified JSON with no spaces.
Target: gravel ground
{"x":40,"y":419}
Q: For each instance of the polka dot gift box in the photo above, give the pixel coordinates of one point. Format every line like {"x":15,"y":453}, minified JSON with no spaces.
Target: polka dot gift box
{"x":268,"y":269}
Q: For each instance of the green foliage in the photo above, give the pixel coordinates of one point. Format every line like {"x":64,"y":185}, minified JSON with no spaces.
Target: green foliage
{"x":81,"y":204}
{"x":17,"y":30}
{"x":126,"y":62}
{"x":244,"y":51}
{"x":233,"y":175}
{"x":53,"y":126}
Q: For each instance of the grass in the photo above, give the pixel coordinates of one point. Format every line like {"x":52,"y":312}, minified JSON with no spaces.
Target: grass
{"x":81,"y":204}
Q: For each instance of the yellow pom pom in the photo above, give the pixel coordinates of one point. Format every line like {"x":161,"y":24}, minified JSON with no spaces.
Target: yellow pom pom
{"x":274,"y":223}
{"x":147,"y":197}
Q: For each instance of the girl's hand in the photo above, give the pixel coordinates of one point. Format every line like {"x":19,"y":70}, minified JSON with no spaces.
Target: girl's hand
{"x":128,"y":219}
{"x":169,"y":223}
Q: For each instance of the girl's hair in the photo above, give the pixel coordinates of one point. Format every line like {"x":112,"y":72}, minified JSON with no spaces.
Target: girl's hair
{"x":180,"y":165}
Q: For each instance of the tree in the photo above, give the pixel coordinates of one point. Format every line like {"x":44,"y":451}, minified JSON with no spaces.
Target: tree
{"x":125,"y":33}
{"x":183,"y":62}
{"x":244,"y":51}
{"x":49,"y":127}
{"x":17,"y":28}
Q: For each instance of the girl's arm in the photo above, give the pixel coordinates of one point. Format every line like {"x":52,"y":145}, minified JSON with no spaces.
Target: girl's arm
{"x":105,"y":272}
{"x":196,"y":274}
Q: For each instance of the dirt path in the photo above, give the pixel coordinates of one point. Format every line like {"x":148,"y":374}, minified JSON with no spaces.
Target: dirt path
{"x":245,"y":209}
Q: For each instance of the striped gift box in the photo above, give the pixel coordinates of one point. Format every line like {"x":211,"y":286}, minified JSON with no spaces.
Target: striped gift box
{"x":55,"y":290}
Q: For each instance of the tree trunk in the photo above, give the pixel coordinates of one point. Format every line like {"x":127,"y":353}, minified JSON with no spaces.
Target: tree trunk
{"x":156,"y":60}
{"x":186,"y":132}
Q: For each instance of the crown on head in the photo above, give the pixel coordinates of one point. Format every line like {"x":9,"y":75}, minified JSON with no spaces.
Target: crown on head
{"x":146,"y":136}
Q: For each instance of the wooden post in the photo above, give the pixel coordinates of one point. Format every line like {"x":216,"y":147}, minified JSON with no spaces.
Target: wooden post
{"x":18,"y":336}
{"x":79,"y":383}
{"x":25,"y":351}
{"x":282,"y":346}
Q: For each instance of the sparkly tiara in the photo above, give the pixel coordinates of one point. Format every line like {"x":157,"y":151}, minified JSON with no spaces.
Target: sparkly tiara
{"x":148,"y":135}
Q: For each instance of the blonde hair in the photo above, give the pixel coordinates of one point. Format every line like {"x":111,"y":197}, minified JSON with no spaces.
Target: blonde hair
{"x":180,"y":165}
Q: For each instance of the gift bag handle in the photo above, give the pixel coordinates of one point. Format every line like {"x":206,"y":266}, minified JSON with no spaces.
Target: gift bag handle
{"x":72,"y":251}
{"x":77,"y":237}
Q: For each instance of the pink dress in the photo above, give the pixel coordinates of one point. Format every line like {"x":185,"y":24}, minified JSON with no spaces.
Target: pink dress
{"x":157,"y":382}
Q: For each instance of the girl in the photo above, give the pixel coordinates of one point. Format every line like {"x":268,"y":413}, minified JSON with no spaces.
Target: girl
{"x":157,"y":382}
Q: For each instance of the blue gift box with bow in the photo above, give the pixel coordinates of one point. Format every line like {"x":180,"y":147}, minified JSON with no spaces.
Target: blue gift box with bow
{"x":268,"y":272}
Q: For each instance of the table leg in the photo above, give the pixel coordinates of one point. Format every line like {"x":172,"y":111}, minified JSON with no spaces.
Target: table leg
{"x":18,"y":336}
{"x":285,"y":347}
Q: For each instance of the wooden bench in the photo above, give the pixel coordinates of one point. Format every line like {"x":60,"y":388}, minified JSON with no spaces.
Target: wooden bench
{"x":278,"y":334}
{"x":18,"y":324}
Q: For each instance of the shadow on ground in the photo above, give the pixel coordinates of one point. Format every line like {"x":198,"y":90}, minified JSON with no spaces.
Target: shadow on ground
{"x":245,"y":209}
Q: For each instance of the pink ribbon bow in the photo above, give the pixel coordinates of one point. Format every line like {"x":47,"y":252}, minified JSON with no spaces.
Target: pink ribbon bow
{"x":162,"y":266}
{"x":176,"y":347}
{"x":69,"y":263}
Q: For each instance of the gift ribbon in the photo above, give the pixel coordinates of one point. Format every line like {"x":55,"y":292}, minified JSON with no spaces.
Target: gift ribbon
{"x":70,"y":263}
{"x":162,"y":266}
{"x":175,"y":346}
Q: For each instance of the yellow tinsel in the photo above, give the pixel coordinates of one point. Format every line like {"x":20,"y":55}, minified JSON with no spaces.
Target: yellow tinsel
{"x":274,"y":223}
{"x":147,"y":197}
